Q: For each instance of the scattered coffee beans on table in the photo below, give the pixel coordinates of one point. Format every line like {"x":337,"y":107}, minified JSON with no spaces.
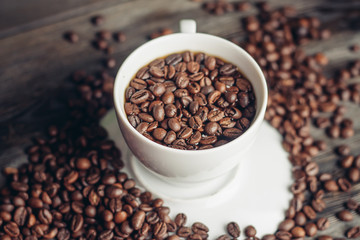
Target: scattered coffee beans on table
{"x":190,"y":101}
{"x":67,"y":190}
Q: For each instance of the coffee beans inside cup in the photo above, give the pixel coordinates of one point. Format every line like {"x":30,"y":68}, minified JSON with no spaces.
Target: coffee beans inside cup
{"x":190,"y":101}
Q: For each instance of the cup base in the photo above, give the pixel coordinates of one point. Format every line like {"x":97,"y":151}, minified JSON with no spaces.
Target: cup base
{"x":173,"y":190}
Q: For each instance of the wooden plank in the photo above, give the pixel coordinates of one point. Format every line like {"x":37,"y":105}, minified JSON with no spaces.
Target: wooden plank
{"x":20,"y":16}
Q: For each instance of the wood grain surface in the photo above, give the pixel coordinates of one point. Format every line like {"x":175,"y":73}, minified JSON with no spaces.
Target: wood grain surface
{"x":35,"y":61}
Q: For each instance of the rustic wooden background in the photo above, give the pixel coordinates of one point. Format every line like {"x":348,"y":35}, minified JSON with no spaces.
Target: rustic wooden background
{"x":35,"y":61}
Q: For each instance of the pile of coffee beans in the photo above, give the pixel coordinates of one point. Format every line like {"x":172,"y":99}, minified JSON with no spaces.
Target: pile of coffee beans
{"x":190,"y":101}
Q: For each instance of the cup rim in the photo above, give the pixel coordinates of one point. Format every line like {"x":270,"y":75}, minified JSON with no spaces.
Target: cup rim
{"x":257,"y":120}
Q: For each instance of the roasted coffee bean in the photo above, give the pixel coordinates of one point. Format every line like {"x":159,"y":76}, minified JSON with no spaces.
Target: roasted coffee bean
{"x":12,"y":229}
{"x":250,"y":231}
{"x":113,"y":191}
{"x":345,"y":216}
{"x":322,"y":224}
{"x":138,"y":220}
{"x":352,"y":204}
{"x":20,"y":216}
{"x":286,"y":225}
{"x":344,"y":184}
{"x":331,"y":186}
{"x":233,"y":229}
{"x":353,"y":232}
{"x":354,"y":174}
{"x":310,"y":229}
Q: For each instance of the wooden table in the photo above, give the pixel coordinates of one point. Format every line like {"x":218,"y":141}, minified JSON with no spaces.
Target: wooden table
{"x":35,"y":61}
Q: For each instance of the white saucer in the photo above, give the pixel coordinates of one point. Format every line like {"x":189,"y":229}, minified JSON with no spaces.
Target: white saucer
{"x":254,"y":193}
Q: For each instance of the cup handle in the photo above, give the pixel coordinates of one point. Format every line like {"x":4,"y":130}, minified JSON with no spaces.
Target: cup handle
{"x":187,"y":26}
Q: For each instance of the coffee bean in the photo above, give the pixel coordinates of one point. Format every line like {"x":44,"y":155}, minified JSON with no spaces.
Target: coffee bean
{"x":98,"y":20}
{"x":331,"y":186}
{"x":20,"y":187}
{"x":77,"y":223}
{"x":354,"y":174}
{"x":298,"y":232}
{"x":83,"y":163}
{"x":138,"y":219}
{"x":322,"y":224}
{"x":286,"y":225}
{"x":233,"y":229}
{"x":352,"y":204}
{"x":310,"y":229}
{"x":353,"y":232}
{"x":344,"y":184}
{"x":12,"y":229}
{"x":283,"y":235}
{"x":250,"y":231}
{"x":345,"y":216}
{"x":309,"y":212}
{"x":343,"y":150}
{"x":72,"y":36}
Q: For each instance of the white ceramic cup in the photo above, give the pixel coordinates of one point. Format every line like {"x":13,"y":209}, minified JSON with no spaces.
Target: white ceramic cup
{"x":189,"y":166}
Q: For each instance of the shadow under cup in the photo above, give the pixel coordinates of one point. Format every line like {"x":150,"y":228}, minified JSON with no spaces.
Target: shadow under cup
{"x":189,"y":166}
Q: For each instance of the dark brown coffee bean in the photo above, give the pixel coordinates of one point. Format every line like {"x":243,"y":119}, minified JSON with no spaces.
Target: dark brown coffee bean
{"x":322,"y":224}
{"x":213,"y":97}
{"x":298,"y":232}
{"x":138,"y":220}
{"x":345,"y":216}
{"x":309,"y":212}
{"x":140,"y":96}
{"x":344,"y":184}
{"x":354,"y":174}
{"x":318,"y":205}
{"x":331,"y":186}
{"x":347,"y":161}
{"x":233,"y":229}
{"x":286,"y":225}
{"x":35,"y":203}
{"x":310,"y":229}
{"x":352,"y":204}
{"x":182,"y":80}
{"x":353,"y":232}
{"x":250,"y":231}
{"x":20,"y":216}
{"x":185,"y":133}
{"x":45,"y":216}
{"x":300,"y":219}
{"x":138,"y":84}
{"x":198,"y":226}
{"x":12,"y":229}
{"x":77,"y":223}
{"x":343,"y":150}
{"x":173,"y":59}
{"x":180,"y":219}
{"x":113,"y":191}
